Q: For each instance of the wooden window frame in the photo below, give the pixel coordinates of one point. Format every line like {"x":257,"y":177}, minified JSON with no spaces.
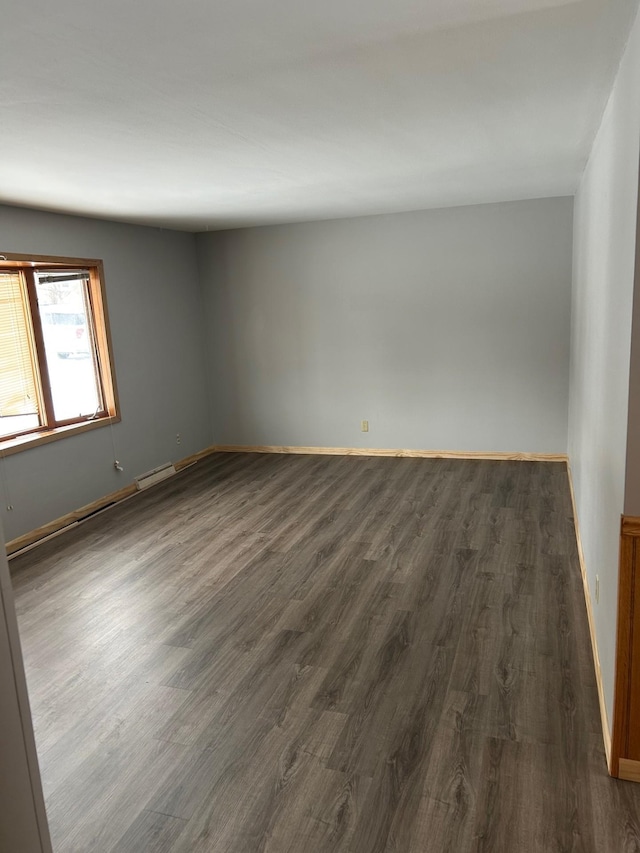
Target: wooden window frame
{"x":54,"y":429}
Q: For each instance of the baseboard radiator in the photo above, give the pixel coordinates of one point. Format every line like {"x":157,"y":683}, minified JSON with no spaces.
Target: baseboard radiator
{"x":150,"y":478}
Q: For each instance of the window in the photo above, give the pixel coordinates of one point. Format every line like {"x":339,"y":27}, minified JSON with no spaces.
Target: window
{"x":56,"y":376}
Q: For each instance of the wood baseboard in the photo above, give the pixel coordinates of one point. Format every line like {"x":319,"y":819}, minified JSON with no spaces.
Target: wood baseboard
{"x":195,"y":457}
{"x":604,"y":718}
{"x":629,"y":770}
{"x":72,"y":518}
{"x":373,"y":451}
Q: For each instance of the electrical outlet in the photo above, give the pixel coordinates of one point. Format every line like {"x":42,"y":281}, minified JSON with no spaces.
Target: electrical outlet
{"x":178,"y":438}
{"x":597,"y":589}
{"x":364,"y":426}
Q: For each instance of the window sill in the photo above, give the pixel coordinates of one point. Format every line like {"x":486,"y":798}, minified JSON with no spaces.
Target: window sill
{"x":26,"y":442}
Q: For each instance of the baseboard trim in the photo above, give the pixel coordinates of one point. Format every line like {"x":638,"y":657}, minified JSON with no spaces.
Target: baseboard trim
{"x":375,"y":451}
{"x":629,"y":770}
{"x":195,"y":457}
{"x":71,"y":519}
{"x":606,"y":729}
{"x":68,"y":520}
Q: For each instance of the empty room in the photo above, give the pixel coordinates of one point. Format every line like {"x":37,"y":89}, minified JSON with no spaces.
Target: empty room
{"x":320,"y":427}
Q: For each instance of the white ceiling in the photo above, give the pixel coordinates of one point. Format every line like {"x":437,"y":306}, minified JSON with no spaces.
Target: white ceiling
{"x":201,"y":114}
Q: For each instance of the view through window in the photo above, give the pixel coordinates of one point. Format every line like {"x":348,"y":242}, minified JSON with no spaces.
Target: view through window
{"x":55,"y":366}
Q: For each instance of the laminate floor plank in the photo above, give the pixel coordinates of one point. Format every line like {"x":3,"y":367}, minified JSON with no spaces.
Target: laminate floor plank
{"x":310,"y":654}
{"x":322,"y":817}
{"x":105,"y":782}
{"x":150,"y":832}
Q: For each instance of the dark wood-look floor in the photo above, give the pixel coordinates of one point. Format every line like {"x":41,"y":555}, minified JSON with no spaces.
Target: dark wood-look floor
{"x":307,"y":654}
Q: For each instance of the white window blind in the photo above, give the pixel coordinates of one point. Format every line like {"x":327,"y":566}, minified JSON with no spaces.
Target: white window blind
{"x":18,"y":395}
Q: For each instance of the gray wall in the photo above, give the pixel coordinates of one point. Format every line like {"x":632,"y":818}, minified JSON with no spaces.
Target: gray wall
{"x":603,"y":281}
{"x":446,"y":329}
{"x":158,"y":340}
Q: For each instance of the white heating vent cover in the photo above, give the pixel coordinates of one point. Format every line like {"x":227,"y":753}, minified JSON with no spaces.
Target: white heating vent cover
{"x":143,"y":481}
